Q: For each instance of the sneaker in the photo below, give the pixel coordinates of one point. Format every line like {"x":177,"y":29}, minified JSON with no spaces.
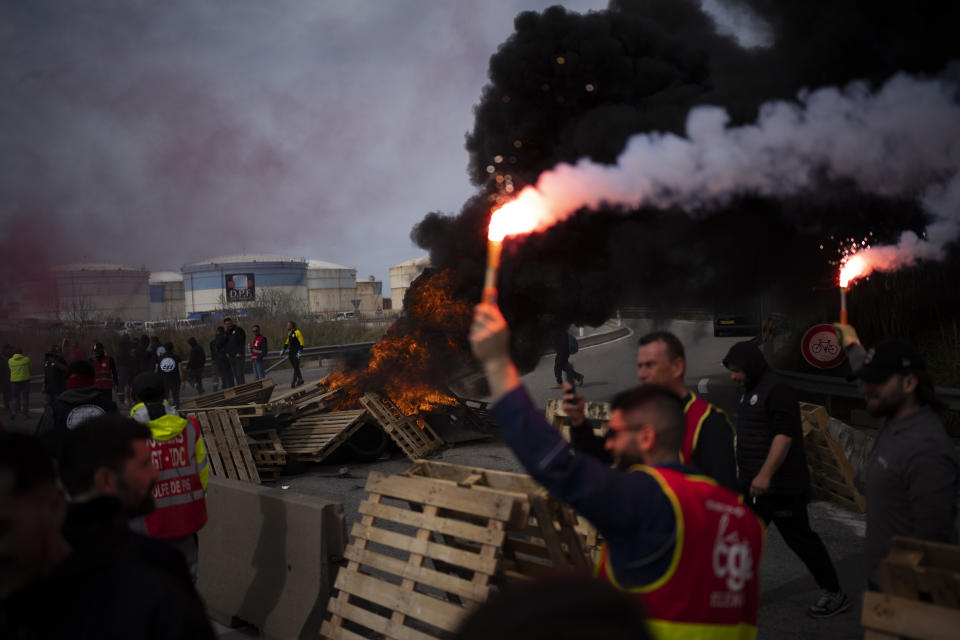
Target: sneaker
{"x":829,"y":604}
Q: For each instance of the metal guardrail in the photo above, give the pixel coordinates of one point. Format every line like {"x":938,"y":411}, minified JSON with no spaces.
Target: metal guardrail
{"x":841,"y":388}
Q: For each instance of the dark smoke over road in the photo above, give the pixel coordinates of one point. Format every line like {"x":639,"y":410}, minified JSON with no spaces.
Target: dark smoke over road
{"x":566,"y":88}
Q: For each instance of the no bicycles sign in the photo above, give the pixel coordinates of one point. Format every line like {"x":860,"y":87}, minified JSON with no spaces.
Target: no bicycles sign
{"x":821,"y":348}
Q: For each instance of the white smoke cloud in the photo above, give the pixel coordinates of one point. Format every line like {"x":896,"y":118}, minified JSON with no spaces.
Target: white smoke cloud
{"x":902,"y":140}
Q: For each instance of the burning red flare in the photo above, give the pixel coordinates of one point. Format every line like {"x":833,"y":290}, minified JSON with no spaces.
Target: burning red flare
{"x":853,"y":267}
{"x":523,"y":215}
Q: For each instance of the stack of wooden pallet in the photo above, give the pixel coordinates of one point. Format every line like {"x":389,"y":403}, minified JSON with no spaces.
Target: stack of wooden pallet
{"x":920,"y":593}
{"x":226,"y":444}
{"x":832,"y":474}
{"x":411,"y":433}
{"x":314,"y":437}
{"x":434,"y":541}
{"x":257,"y":392}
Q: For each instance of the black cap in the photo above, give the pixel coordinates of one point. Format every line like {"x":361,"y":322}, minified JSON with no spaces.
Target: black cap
{"x":148,"y":387}
{"x":888,"y":358}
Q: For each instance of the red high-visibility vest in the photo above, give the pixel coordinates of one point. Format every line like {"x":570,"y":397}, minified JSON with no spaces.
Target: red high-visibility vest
{"x":711,"y":588}
{"x":256,"y":348}
{"x":695,"y":412}
{"x":103,"y":375}
{"x":181,"y":509}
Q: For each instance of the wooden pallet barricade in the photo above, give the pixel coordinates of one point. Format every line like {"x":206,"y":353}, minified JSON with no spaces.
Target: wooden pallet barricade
{"x":256,"y":392}
{"x":247,"y":411}
{"x":412,"y":434}
{"x":313,"y":438}
{"x":832,"y":474}
{"x":269,"y":456}
{"x":226,"y":444}
{"x":920,"y":598}
{"x":543,"y":535}
{"x":423,"y":555}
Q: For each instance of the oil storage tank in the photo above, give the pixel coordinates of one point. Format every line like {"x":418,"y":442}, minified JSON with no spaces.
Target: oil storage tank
{"x":402,"y":275}
{"x":245,"y":281}
{"x":88,"y":292}
{"x":166,"y":296}
{"x":331,"y":288}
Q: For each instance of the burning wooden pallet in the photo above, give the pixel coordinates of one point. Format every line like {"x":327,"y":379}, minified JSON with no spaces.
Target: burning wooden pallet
{"x":313,"y":438}
{"x":246,"y":411}
{"x":920,"y":583}
{"x":832,"y":476}
{"x":268,"y":453}
{"x":308,"y":399}
{"x":544,"y":537}
{"x":443,"y":553}
{"x":258,"y":392}
{"x":411,"y":433}
{"x":226,"y":444}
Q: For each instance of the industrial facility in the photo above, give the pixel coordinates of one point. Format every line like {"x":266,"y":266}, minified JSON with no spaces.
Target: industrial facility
{"x":166,"y":296}
{"x":245,"y":281}
{"x":87,"y":293}
{"x":402,"y":275}
{"x":331,"y":288}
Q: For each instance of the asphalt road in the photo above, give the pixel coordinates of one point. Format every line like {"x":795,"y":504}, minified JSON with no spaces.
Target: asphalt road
{"x":786,"y":586}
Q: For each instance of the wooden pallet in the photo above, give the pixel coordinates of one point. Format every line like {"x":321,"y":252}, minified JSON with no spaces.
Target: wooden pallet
{"x":315,"y":437}
{"x":920,"y":597}
{"x":411,"y":433}
{"x":541,"y":536}
{"x":832,"y":474}
{"x":245,"y":411}
{"x":258,"y":391}
{"x":226,"y":444}
{"x":268,"y":453}
{"x":414,"y":572}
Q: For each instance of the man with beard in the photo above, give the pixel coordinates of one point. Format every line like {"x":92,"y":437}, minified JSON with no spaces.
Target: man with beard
{"x":141,"y":585}
{"x":687,"y":548}
{"x":181,"y":460}
{"x":773,"y":467}
{"x":912,"y":470}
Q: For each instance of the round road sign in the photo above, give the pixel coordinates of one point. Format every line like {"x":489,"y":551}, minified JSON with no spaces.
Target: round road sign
{"x":821,"y":348}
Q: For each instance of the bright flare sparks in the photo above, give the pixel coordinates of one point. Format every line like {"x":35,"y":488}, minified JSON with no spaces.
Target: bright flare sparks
{"x":852,"y":268}
{"x":519,"y":216}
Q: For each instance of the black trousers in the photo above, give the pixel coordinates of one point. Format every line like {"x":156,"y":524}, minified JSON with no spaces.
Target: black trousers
{"x":236,"y":368}
{"x":562,"y":365}
{"x":789,"y":514}
{"x":295,"y":363}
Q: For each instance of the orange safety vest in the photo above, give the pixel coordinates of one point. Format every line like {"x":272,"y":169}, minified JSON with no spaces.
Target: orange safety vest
{"x":711,"y":588}
{"x":181,"y":509}
{"x":695,"y":412}
{"x":103,"y":376}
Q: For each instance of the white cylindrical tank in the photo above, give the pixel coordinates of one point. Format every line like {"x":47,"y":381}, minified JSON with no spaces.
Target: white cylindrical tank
{"x":245,"y":281}
{"x":166,"y":296}
{"x":370,"y":294}
{"x":402,"y":275}
{"x":331,"y":288}
{"x":88,"y":292}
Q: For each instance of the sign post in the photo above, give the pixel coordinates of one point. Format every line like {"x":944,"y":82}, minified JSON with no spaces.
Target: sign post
{"x":821,"y":348}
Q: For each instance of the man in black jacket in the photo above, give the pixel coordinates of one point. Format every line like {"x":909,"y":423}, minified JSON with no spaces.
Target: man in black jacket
{"x":81,"y":401}
{"x":221,"y":364}
{"x":236,"y":349}
{"x":195,"y":363}
{"x":773,"y":467}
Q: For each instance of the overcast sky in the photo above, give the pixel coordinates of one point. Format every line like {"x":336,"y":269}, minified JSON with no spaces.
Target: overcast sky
{"x":160,"y":133}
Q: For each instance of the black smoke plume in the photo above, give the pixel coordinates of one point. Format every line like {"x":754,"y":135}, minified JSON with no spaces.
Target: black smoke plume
{"x":565,"y":87}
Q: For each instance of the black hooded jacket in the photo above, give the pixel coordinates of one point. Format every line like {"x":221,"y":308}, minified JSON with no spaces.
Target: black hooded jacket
{"x":768,"y":407}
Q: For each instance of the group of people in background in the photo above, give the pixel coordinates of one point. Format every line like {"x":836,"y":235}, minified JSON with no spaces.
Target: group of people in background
{"x":113,"y":375}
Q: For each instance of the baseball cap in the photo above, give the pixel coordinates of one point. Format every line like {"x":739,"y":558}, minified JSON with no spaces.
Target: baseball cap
{"x":148,"y":386}
{"x":888,"y":358}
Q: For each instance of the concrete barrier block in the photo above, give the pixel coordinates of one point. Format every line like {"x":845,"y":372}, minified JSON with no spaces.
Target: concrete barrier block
{"x":265,"y":557}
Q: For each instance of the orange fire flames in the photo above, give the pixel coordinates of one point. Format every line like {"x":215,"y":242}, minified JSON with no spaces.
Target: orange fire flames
{"x":516,"y":217}
{"x":409,"y":363}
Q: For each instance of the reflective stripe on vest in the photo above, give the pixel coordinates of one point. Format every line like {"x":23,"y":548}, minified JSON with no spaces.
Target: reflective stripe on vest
{"x":711,"y":588}
{"x":695,"y":412}
{"x":103,"y":377}
{"x":255,"y":350}
{"x":181,"y":509}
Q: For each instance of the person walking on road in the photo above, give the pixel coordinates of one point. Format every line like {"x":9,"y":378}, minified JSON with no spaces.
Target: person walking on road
{"x":19,"y":365}
{"x":708,"y":439}
{"x":169,"y":369}
{"x":564,"y":344}
{"x":773,"y":467}
{"x":912,"y":471}
{"x":686,"y":547}
{"x":258,"y":351}
{"x":236,"y":348}
{"x":195,"y":363}
{"x":294,"y":345}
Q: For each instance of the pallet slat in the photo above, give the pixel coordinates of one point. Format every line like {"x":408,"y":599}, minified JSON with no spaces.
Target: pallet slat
{"x":832,"y":475}
{"x":412,"y":434}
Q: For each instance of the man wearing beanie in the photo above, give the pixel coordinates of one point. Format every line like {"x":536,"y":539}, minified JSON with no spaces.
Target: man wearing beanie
{"x":181,"y":460}
{"x":81,"y":401}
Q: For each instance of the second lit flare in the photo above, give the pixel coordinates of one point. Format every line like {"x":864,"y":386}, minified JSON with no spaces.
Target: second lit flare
{"x":851,"y":268}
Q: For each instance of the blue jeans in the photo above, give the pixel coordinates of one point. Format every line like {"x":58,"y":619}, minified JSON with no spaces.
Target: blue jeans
{"x":259,"y":369}
{"x":20,"y":397}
